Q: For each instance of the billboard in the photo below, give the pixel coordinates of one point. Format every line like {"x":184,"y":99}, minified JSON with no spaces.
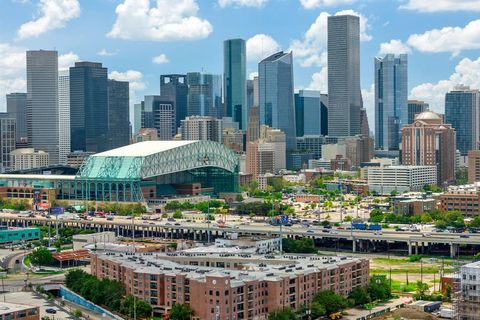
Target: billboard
{"x":56,"y":211}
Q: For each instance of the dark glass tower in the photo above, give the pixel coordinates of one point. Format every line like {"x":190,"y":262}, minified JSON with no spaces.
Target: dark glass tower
{"x":17,"y":108}
{"x":234,"y":66}
{"x":174,"y":86}
{"x":118,"y":114}
{"x":204,"y":94}
{"x":88,"y":107}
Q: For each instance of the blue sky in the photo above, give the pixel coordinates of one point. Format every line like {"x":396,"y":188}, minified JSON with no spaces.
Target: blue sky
{"x":442,"y":38}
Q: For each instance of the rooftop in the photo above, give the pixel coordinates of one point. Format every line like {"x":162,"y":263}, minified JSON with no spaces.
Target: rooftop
{"x":143,"y":149}
{"x":7,"y":307}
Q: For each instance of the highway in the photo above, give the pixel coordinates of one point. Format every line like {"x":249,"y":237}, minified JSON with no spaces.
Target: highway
{"x":197,"y":231}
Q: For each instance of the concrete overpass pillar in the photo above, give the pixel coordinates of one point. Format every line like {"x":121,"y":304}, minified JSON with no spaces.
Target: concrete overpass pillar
{"x":416,"y":248}
{"x":453,"y":250}
{"x":354,"y":245}
{"x":409,"y":248}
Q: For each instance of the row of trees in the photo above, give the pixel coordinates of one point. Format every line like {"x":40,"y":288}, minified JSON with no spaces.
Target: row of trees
{"x":108,"y":293}
{"x":201,"y":206}
{"x":302,"y":245}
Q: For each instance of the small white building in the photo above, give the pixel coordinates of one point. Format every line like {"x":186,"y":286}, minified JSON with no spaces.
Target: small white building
{"x":385,"y":179}
{"x":28,"y":158}
{"x":261,"y":245}
{"x":80,"y":241}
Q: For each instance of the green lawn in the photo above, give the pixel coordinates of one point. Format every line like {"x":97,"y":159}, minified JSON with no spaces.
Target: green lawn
{"x":26,"y":261}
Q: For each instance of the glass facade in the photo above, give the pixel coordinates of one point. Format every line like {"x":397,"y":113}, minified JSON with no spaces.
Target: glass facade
{"x":204,"y":95}
{"x":17,"y":108}
{"x":415,"y":107}
{"x":462,"y":112}
{"x":391,"y":94}
{"x":309,"y":113}
{"x":175,"y":87}
{"x":234,"y":66}
{"x":276,"y":95}
{"x":159,"y":112}
{"x":118,"y":114}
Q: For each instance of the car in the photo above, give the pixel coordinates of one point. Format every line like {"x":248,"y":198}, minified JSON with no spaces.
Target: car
{"x":188,"y":220}
{"x":464,"y":236}
{"x":310,"y":231}
{"x":378,"y":233}
{"x":168,"y":224}
{"x":51,"y":311}
{"x":171,"y":219}
{"x":177,"y":224}
{"x":326,"y":230}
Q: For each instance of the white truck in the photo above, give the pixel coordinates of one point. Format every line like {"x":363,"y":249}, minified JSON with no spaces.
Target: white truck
{"x":446,"y":313}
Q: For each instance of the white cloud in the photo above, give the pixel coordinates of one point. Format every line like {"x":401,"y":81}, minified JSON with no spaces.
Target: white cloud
{"x":252,"y":75}
{"x":466,"y":73}
{"x":67,"y":60}
{"x":312,"y":4}
{"x":160,"y":59}
{"x":368,"y":96}
{"x":105,"y":53}
{"x":168,"y":20}
{"x":448,"y":39}
{"x":242,"y":3}
{"x":53,"y":15}
{"x":441,"y":5}
{"x":261,"y":46}
{"x":319,"y":81}
{"x":394,"y":46}
{"x":364,"y":26}
{"x":133,"y":76}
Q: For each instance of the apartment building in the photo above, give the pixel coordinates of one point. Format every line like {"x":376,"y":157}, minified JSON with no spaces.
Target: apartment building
{"x":465,"y":199}
{"x":385,"y":179}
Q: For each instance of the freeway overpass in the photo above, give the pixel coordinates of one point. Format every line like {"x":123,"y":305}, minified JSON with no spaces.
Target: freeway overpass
{"x":359,"y":239}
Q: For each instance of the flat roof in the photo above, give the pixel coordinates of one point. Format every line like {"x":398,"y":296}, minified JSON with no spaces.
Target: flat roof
{"x":37,"y":176}
{"x":72,"y":255}
{"x":143,"y":149}
{"x":7,"y":307}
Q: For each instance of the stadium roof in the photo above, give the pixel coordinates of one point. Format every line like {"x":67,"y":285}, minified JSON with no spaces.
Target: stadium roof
{"x":143,"y":149}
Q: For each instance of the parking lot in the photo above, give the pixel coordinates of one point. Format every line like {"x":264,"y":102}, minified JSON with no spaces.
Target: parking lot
{"x":30,"y":298}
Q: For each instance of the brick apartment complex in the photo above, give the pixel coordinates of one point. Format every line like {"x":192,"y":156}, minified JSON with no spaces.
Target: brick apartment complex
{"x":229,"y":286}
{"x":465,"y":199}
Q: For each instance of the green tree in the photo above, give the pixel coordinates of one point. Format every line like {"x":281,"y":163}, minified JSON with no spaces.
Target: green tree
{"x":447,"y":295}
{"x":282,"y":314}
{"x":302,"y":245}
{"x":77,"y":313}
{"x":379,"y":288}
{"x":421,"y":291}
{"x":239,"y":197}
{"x":278,"y":184}
{"x":177,"y":214}
{"x":180,"y":312}
{"x":360,"y":296}
{"x":133,"y":306}
{"x":41,"y":257}
{"x":317,"y":310}
{"x":331,"y":301}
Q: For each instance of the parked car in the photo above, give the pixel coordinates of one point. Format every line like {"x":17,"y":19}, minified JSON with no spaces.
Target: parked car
{"x":51,"y":311}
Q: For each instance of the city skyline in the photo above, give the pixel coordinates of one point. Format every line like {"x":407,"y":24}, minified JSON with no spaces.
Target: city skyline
{"x":138,"y":61}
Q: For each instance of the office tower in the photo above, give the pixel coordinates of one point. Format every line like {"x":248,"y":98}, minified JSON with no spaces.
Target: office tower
{"x":204,"y":95}
{"x":235,"y":70}
{"x":256,"y":92}
{"x":324,"y":115}
{"x":42,"y":102}
{"x":276,"y":94}
{"x":473,"y":166}
{"x":159,"y":112}
{"x":17,"y":108}
{"x":267,"y":154}
{"x":364,"y":126}
{"x":64,"y":115}
{"x":250,"y":93}
{"x":428,"y":141}
{"x":462,"y":111}
{"x":253,"y":129}
{"x":233,"y":139}
{"x":28,"y":158}
{"x":358,"y":149}
{"x":88,"y":107}
{"x":308,"y":113}
{"x":201,"y":128}
{"x":118,"y":114}
{"x":391,"y":91}
{"x":415,"y":107}
{"x":77,"y":158}
{"x":7,"y":140}
{"x":175,"y":87}
{"x":313,"y":144}
{"x":137,"y":118}
{"x":344,"y":95}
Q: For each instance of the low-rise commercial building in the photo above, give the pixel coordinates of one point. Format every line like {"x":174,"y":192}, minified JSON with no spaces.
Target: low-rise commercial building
{"x":16,"y":311}
{"x":10,"y":235}
{"x":80,"y":241}
{"x":385,"y":179}
{"x":230,"y":286}
{"x":465,"y":199}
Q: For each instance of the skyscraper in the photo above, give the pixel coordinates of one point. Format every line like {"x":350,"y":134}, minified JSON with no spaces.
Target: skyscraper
{"x":118,"y":114}
{"x":175,"y":87}
{"x":204,"y":95}
{"x":202,"y":128}
{"x":309,"y":113}
{"x":344,"y":95}
{"x":17,"y":108}
{"x":462,"y":111}
{"x":430,"y":142}
{"x":7,"y":140}
{"x":64,"y":115}
{"x":391,"y":95}
{"x":250,"y":91}
{"x":42,"y":102}
{"x":159,"y":112}
{"x":415,"y":107}
{"x":276,"y":95}
{"x":88,"y":107}
{"x":253,"y":130}
{"x":234,"y":66}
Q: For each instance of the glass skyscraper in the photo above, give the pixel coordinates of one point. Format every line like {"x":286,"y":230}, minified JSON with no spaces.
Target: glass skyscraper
{"x":415,"y":107}
{"x":309,"y":113}
{"x":391,"y":100}
{"x":88,"y":107}
{"x":234,"y":66}
{"x":277,"y":109}
{"x":42,"y":102}
{"x":118,"y":114}
{"x":64,"y":115}
{"x":175,"y":87}
{"x":462,"y":111}
{"x":17,"y":108}
{"x":204,"y":95}
{"x":344,"y":95}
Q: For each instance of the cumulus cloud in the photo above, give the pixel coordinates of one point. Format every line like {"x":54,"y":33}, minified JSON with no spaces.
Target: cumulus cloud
{"x":252,"y":75}
{"x":53,"y":14}
{"x":105,"y":53}
{"x":448,"y":39}
{"x":242,"y":3}
{"x":368,"y":96}
{"x":133,"y":76}
{"x":395,"y":47}
{"x":261,"y":46}
{"x":364,"y":26}
{"x":319,"y":81}
{"x":168,"y":20}
{"x":441,"y":5}
{"x":160,"y":59}
{"x":67,"y":60}
{"x":312,"y":4}
{"x":466,"y":73}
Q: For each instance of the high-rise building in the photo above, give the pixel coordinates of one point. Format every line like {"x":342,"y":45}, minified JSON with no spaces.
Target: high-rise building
{"x":64,"y":115}
{"x":7,"y":140}
{"x":118,"y":114}
{"x":391,"y":96}
{"x":309,"y":110}
{"x":473,"y":166}
{"x":88,"y":107}
{"x":235,"y":70}
{"x":137,"y":118}
{"x":175,"y":87}
{"x":17,"y":108}
{"x":28,"y":158}
{"x":256,"y":92}
{"x":267,"y":154}
{"x":462,"y":111}
{"x":344,"y":95}
{"x":201,"y":128}
{"x":159,"y":112}
{"x":364,"y":126}
{"x":324,"y":116}
{"x":415,"y":107}
{"x":253,"y":129}
{"x":233,"y":139}
{"x":42,"y":102}
{"x":249,"y":95}
{"x":204,"y":95}
{"x":428,"y":141}
{"x":277,"y":108}
{"x":313,"y":144}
